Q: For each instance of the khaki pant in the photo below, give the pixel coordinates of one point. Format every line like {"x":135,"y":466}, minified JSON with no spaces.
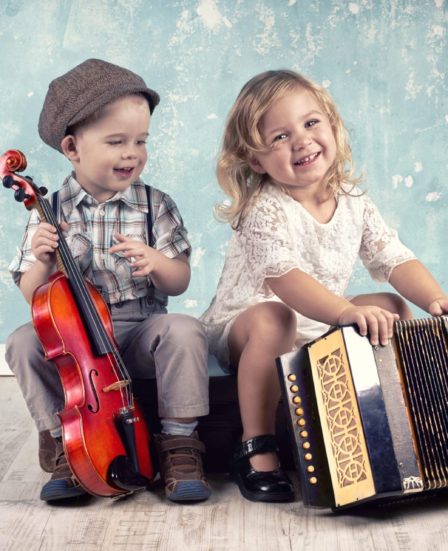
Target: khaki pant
{"x":170,"y":347}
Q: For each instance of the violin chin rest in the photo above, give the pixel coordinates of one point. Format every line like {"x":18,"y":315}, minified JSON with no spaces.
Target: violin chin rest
{"x":122,"y":475}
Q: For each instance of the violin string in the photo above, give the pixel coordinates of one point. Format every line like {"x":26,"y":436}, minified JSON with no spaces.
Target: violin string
{"x":85,"y":297}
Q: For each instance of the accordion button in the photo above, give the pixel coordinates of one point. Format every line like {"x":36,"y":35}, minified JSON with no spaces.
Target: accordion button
{"x":306,"y":445}
{"x":294,"y":388}
{"x":301,"y":422}
{"x":304,"y":434}
{"x":292,"y":377}
{"x":299,"y":411}
{"x":310,"y":468}
{"x":313,"y":480}
{"x":297,"y":400}
{"x":308,"y":456}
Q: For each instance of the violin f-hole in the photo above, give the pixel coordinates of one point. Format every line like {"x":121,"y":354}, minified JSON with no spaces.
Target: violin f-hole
{"x":92,"y":385}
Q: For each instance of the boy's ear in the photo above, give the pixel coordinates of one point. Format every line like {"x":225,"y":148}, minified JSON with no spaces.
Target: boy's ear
{"x":256,"y":166}
{"x":68,"y":146}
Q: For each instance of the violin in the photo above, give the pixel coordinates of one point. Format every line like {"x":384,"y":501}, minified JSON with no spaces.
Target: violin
{"x":104,"y":433}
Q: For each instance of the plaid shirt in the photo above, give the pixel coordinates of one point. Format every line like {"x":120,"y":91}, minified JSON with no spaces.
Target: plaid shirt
{"x":91,"y":233}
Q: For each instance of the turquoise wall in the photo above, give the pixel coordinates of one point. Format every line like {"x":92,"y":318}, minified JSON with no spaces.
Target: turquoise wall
{"x":385,"y":63}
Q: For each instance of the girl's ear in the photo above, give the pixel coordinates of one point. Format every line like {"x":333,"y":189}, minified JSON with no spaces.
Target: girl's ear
{"x":68,"y":146}
{"x":256,"y":166}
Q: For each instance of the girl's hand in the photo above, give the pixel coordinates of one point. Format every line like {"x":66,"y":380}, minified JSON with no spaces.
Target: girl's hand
{"x":142,"y":257}
{"x":439,"y":306}
{"x":372,"y":320}
{"x":45,"y":241}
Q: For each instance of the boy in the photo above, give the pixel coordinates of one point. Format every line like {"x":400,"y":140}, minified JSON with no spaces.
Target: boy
{"x":130,"y":242}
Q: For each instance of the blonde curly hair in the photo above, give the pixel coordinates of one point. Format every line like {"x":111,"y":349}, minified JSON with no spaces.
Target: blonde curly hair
{"x":242,"y":140}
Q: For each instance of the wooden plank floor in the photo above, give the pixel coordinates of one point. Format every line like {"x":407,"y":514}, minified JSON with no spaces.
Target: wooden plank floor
{"x":146,"y":521}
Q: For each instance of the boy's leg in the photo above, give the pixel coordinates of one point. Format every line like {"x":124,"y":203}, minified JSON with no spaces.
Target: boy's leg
{"x":41,"y":387}
{"x":37,"y":378}
{"x":173,"y":348}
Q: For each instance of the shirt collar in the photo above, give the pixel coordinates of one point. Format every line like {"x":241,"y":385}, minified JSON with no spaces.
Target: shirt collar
{"x":72,"y":194}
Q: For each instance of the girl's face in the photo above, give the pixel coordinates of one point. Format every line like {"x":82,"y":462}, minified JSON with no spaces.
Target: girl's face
{"x":301,"y":144}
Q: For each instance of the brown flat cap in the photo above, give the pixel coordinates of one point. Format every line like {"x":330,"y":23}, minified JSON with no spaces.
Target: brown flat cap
{"x":84,"y":90}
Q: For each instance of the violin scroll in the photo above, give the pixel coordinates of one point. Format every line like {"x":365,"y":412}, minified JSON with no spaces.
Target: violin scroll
{"x":25,"y":190}
{"x":12,"y":160}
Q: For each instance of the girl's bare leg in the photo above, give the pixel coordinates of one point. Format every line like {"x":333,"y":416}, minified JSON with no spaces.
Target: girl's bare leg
{"x":257,"y":337}
{"x":389,"y":301}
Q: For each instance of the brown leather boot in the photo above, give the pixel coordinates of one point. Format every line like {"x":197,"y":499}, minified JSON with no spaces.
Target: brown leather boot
{"x":47,"y":451}
{"x":62,"y":484}
{"x":181,"y":467}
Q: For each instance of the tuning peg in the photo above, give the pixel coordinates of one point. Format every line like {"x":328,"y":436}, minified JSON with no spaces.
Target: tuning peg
{"x":8,"y":181}
{"x":19,"y":195}
{"x":43,"y":190}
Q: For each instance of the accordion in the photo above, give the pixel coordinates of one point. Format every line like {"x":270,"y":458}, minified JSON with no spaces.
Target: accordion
{"x":369,"y":423}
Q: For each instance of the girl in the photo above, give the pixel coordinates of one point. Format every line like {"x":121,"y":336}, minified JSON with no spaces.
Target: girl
{"x":299,"y":224}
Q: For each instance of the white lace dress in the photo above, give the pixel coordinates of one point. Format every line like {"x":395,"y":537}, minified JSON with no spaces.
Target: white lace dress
{"x":277,"y":235}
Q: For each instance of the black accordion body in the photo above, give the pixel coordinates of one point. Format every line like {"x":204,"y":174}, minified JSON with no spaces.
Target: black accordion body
{"x":369,"y":423}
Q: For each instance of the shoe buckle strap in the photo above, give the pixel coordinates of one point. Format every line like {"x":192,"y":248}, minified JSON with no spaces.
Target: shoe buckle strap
{"x":253,"y":446}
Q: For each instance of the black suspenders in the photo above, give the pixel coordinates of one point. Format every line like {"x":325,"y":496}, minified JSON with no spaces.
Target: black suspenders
{"x":149,"y":217}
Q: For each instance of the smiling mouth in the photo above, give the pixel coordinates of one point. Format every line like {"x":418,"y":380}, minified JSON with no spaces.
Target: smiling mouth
{"x":124,"y":171}
{"x":307,"y":160}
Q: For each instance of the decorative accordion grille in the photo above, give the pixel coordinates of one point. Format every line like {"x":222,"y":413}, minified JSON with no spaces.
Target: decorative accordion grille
{"x":422,"y":348}
{"x":344,"y":430}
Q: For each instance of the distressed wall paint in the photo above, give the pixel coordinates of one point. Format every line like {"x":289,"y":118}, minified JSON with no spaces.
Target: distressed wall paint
{"x":385,"y":63}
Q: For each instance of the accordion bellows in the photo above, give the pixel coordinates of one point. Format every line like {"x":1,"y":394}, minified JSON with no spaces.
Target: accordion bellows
{"x":369,"y":423}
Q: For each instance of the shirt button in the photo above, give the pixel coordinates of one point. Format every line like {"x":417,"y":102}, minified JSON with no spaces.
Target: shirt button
{"x":101,"y":212}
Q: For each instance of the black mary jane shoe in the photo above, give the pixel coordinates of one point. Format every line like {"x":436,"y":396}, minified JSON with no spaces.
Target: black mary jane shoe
{"x":271,"y":486}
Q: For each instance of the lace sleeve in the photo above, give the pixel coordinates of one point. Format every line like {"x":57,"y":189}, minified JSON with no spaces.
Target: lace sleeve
{"x":266,"y":242}
{"x":381,"y":249}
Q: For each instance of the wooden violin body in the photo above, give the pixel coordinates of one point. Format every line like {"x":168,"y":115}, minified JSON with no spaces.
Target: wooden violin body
{"x":105,"y":437}
{"x":91,"y":388}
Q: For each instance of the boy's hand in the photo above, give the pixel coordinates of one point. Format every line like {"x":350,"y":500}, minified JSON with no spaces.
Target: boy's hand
{"x":45,"y":242}
{"x":439,"y":306}
{"x":372,"y":320}
{"x":141,"y":256}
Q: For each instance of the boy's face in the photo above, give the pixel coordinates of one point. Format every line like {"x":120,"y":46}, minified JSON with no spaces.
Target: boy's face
{"x":110,"y":153}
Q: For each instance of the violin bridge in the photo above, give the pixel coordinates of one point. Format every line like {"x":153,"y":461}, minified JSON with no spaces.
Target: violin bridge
{"x":116,"y":386}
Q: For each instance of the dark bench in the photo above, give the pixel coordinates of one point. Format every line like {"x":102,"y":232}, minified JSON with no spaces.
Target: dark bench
{"x":221,"y":429}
